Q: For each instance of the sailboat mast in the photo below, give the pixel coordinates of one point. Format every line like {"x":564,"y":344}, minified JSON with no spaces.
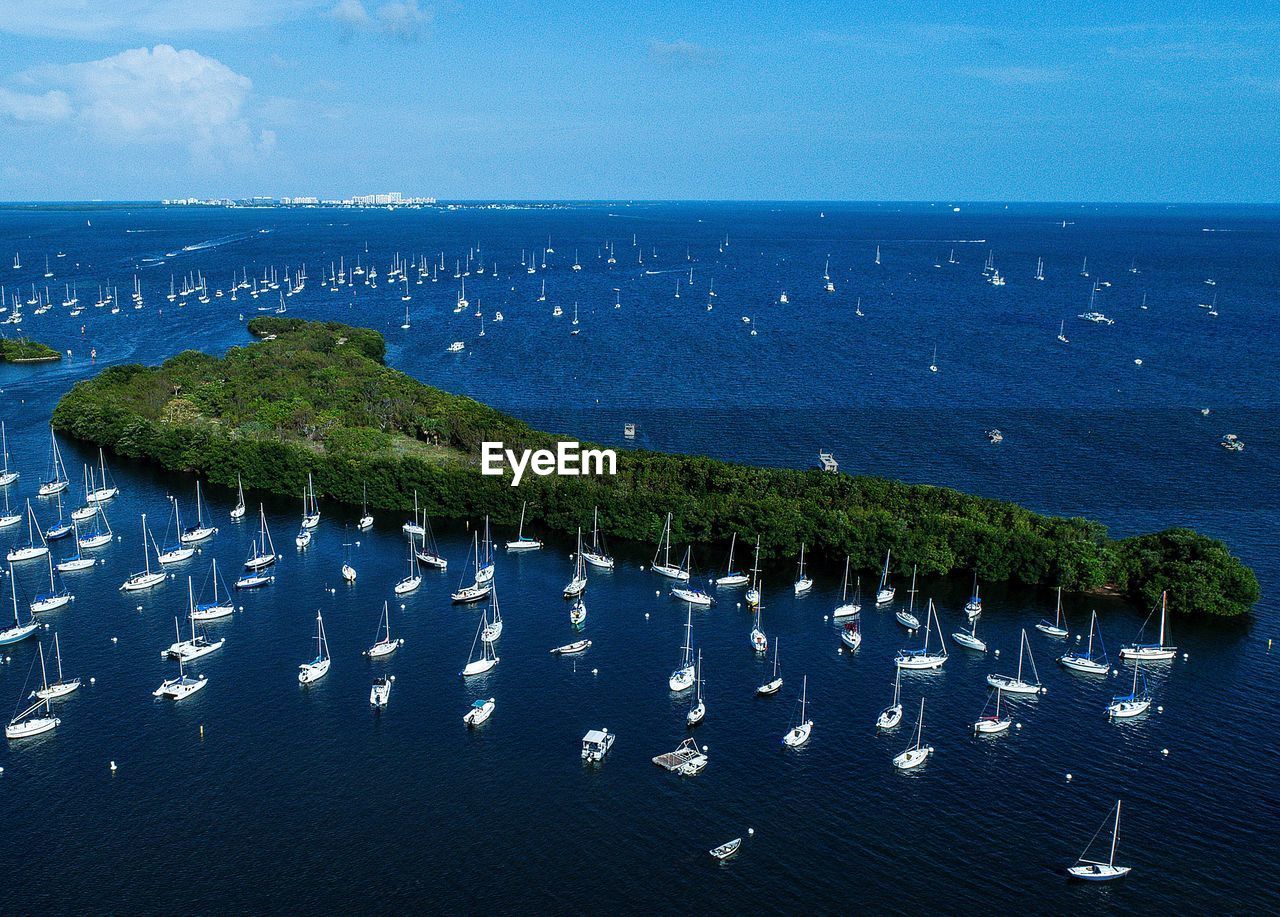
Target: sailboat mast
{"x":1115,"y":834}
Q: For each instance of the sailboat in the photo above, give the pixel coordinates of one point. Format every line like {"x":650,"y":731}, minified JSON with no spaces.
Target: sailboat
{"x":303,"y":538}
{"x":366,"y":518}
{"x":30,"y":550}
{"x":476,"y":590}
{"x":918,"y":753}
{"x":1058,"y":626}
{"x":596,"y":554}
{"x":7,"y":474}
{"x":413,"y":527}
{"x":922,"y":658}
{"x":106,"y":490}
{"x":772,"y":685}
{"x":9,"y":517}
{"x":1090,"y":662}
{"x":682,"y":677}
{"x":973,"y":607}
{"x":1096,"y":870}
{"x":1039,"y":269}
{"x":877,"y":254}
{"x":63,"y":685}
{"x":146,"y":578}
{"x":891,"y":715}
{"x":413,"y":578}
{"x":885,"y":592}
{"x":77,"y":561}
{"x":54,"y":598}
{"x":485,"y":564}
{"x":32,"y":721}
{"x":215,"y":608}
{"x":199,"y":644}
{"x":732,"y":576}
{"x":803,"y":582}
{"x":173,"y":553}
{"x":846,"y":608}
{"x":759,"y":642}
{"x":348,"y":571}
{"x":906,"y":616}
{"x":664,"y":566}
{"x":201,"y":531}
{"x":992,"y":723}
{"x":19,"y":631}
{"x":263,"y":554}
{"x":753,"y":594}
{"x":933,"y":364}
{"x":970,"y":639}
{"x":318,"y":667}
{"x":310,"y":508}
{"x":429,"y":551}
{"x":698,"y":709}
{"x":1062,"y":332}
{"x":238,"y":511}
{"x":100,"y":535}
{"x":57,"y":481}
{"x":184,"y":685}
{"x":487,"y":658}
{"x":1123,"y":706}
{"x":800,"y":732}
{"x":1151,"y":652}
{"x":523,"y":542}
{"x":1015,"y":684}
{"x":60,"y":529}
{"x":493,"y":630}
{"x":686,"y":591}
{"x":579,"y":581}
{"x":383,"y":644}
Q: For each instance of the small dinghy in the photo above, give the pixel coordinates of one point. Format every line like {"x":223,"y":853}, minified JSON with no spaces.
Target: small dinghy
{"x":380,"y":692}
{"x":1095,"y":870}
{"x":570,"y":648}
{"x":479,"y":712}
{"x":724,"y":851}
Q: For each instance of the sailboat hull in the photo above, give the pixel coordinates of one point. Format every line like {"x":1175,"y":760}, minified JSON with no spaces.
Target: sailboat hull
{"x":142,"y":581}
{"x":670,"y":571}
{"x":1149,"y":653}
{"x":889,"y":717}
{"x":911,"y":758}
{"x":1012,"y":685}
{"x":603,"y":561}
{"x":32,"y":727}
{"x":479,"y":667}
{"x":1098,"y":872}
{"x":1083,"y":664}
{"x":799,"y":735}
{"x":681,"y":679}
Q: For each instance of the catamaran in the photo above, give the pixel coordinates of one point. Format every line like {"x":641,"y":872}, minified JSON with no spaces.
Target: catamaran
{"x":201,"y":531}
{"x":146,"y":578}
{"x":595,"y":554}
{"x":1151,"y":652}
{"x":885,"y":592}
{"x":698,"y":709}
{"x":846,"y":608}
{"x":918,"y":753}
{"x":476,"y":590}
{"x":1058,"y":626}
{"x":487,"y":658}
{"x":56,"y":597}
{"x":215,"y":608}
{"x":772,"y":685}
{"x":732,"y":576}
{"x":1090,"y":662}
{"x":522,"y":541}
{"x":1096,"y":870}
{"x":19,"y":631}
{"x":923,"y":658}
{"x":383,"y":644}
{"x":578,"y":583}
{"x":7,"y":474}
{"x":317,"y":668}
{"x":32,"y":721}
{"x":992,"y":723}
{"x":238,"y":511}
{"x":1135,"y":702}
{"x":31,"y":550}
{"x":664,"y":566}
{"x":798,"y":734}
{"x":891,"y":715}
{"x":57,"y":481}
{"x":681,"y":678}
{"x":1015,"y":684}
{"x":804,"y":582}
{"x":63,"y":685}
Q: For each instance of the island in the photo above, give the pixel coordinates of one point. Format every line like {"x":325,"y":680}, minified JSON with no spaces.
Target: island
{"x":317,"y":398}
{"x":25,"y":350}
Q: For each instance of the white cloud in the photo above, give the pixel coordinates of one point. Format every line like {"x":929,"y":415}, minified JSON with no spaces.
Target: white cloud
{"x":146,"y":95}
{"x":402,"y":19}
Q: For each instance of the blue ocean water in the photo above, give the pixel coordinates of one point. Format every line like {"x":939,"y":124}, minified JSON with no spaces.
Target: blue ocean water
{"x":277,"y":797}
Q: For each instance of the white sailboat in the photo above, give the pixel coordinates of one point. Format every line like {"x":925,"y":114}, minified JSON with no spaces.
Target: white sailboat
{"x":53,"y":599}
{"x":366,"y":518}
{"x":973,"y":607}
{"x":664,"y":566}
{"x":33,"y":721}
{"x":199,"y":644}
{"x":773,"y":684}
{"x":578,"y":583}
{"x":487,"y":658}
{"x":19,"y":631}
{"x":1091,"y":661}
{"x":100,"y":535}
{"x":1135,"y":702}
{"x":31,"y":550}
{"x":687,"y":591}
{"x":992,"y":723}
{"x":263,"y":553}
{"x":885,"y":592}
{"x":428,"y":550}
{"x":846,"y":608}
{"x":216,"y":607}
{"x":1096,"y":870}
{"x":383,"y":644}
{"x":891,"y":715}
{"x":759,"y":642}
{"x":238,"y":511}
{"x":923,"y":658}
{"x":485,"y":562}
{"x":7,"y":474}
{"x":493,"y":630}
{"x":799,"y":734}
{"x":698,"y":709}
{"x":105,"y":490}
{"x":732,"y":576}
{"x":753,"y":594}
{"x":184,"y":685}
{"x":918,"y":752}
{"x":63,"y":685}
{"x":1058,"y":626}
{"x":804,"y":582}
{"x":310,"y":508}
{"x":317,"y":668}
{"x":201,"y":531}
{"x":1014,"y":684}
{"x":1151,"y":652}
{"x":906,"y":616}
{"x":57,"y":481}
{"x":970,"y":639}
{"x":476,"y":590}
{"x":596,"y":554}
{"x":523,"y":542}
{"x":681,"y":678}
{"x":146,"y":578}
{"x":413,"y":527}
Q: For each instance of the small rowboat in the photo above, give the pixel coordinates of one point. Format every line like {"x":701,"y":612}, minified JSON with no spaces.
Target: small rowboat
{"x":724,"y":851}
{"x":569,"y":648}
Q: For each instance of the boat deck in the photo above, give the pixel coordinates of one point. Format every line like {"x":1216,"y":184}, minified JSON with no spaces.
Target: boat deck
{"x":674,"y":760}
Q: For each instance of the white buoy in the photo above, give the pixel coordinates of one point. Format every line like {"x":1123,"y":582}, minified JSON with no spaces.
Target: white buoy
{"x":595,"y":671}
{"x":1160,"y":708}
{"x":115,"y":639}
{"x":113,"y":767}
{"x":751,"y":832}
{"x":657,"y":592}
{"x":138,"y":608}
{"x":1017,"y":725}
{"x":242,"y":608}
{"x":646,"y":616}
{"x":1068,"y":778}
{"x":1164,"y":751}
{"x":825,"y":618}
{"x":1186,"y":656}
{"x":402,"y":606}
{"x":997,"y":652}
{"x":93,"y":681}
{"x":839,"y":650}
{"x":642,"y":568}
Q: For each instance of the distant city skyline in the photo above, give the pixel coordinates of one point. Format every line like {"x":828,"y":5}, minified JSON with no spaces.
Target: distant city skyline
{"x":165,"y":99}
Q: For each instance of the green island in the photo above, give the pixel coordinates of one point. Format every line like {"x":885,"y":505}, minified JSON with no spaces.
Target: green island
{"x":317,"y":397}
{"x":25,"y":350}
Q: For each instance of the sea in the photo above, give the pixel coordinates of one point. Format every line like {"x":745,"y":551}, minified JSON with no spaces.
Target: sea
{"x":258,"y":795}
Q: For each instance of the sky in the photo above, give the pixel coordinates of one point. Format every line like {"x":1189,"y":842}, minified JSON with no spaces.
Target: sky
{"x":1133,"y":101}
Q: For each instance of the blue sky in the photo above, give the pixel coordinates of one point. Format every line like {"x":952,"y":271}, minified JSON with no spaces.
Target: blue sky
{"x":997,"y":101}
